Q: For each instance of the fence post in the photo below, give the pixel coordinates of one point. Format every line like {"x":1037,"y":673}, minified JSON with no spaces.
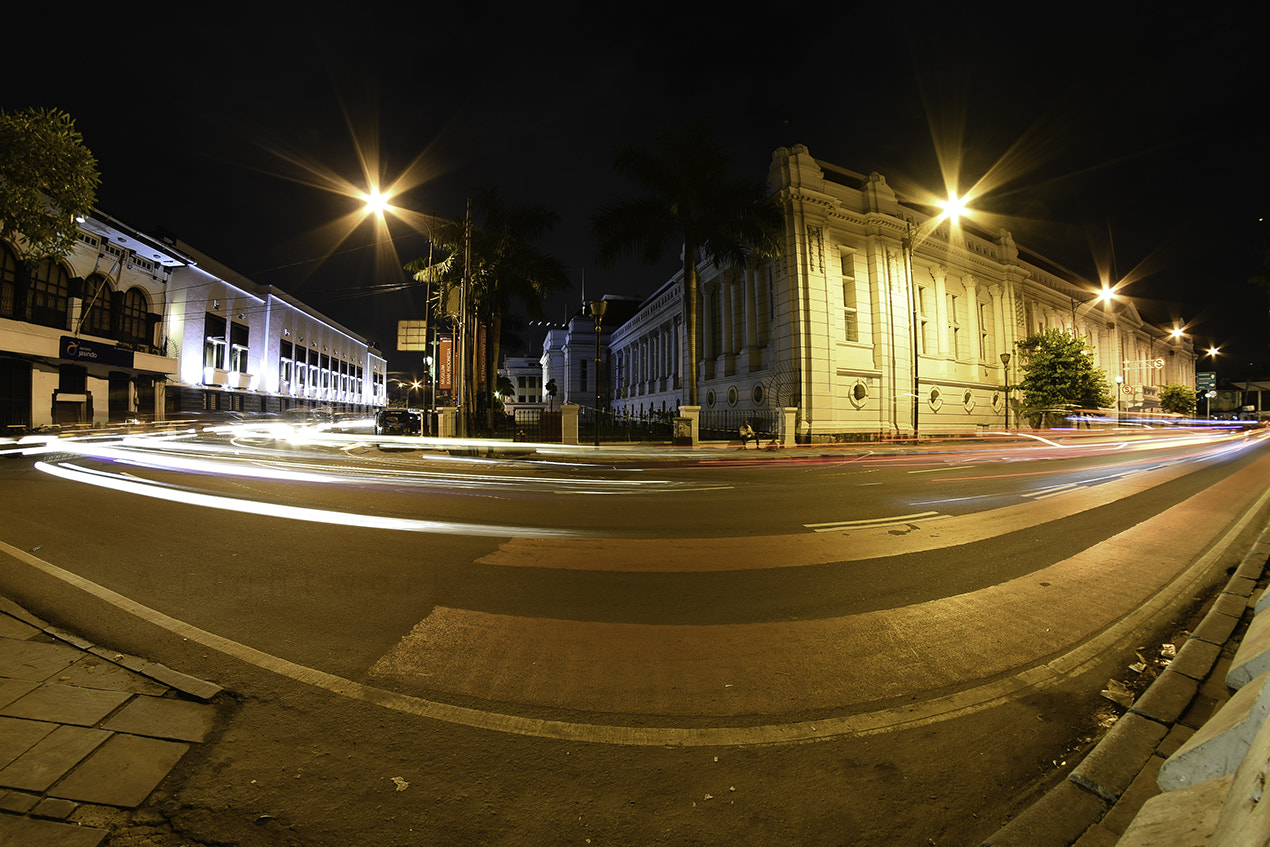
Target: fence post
{"x":569,"y":423}
{"x":790,"y":416}
{"x":687,"y":423}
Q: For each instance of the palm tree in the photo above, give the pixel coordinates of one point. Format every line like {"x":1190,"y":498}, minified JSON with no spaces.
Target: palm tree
{"x":690,"y":201}
{"x":504,"y":267}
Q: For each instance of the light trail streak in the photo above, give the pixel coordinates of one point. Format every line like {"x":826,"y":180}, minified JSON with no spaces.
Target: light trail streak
{"x":144,"y":453}
{"x":298,"y":513}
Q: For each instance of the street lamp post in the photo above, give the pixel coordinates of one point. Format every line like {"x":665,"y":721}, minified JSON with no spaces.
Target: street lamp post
{"x":1005,"y":361}
{"x":1211,"y":391}
{"x":598,"y":307}
{"x":954,"y":208}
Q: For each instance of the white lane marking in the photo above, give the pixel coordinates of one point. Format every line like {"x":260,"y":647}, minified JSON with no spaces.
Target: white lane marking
{"x":873,"y":523}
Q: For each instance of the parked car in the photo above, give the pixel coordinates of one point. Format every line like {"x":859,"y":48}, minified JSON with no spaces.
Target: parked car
{"x":399,"y":422}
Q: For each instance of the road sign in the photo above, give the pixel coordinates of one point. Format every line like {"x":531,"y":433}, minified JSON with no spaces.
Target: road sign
{"x":412,"y":335}
{"x":1205,"y":380}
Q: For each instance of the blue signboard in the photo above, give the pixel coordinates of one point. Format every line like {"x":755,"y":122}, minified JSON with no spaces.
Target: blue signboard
{"x":1205,"y":380}
{"x":93,"y":352}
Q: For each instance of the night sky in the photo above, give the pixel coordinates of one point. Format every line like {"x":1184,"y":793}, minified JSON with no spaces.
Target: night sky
{"x":1119,"y":141}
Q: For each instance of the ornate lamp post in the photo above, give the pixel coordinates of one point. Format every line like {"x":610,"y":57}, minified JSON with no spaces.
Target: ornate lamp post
{"x":1005,"y":360}
{"x":598,"y":307}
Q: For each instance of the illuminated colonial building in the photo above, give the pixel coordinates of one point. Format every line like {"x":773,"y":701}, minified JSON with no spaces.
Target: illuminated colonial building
{"x":250,"y":348}
{"x":133,"y":327}
{"x":880,"y":317}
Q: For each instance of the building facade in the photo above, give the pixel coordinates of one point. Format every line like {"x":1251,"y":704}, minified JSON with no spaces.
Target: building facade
{"x":133,"y":327}
{"x":82,"y":338}
{"x":249,"y":348}
{"x":880,"y":317}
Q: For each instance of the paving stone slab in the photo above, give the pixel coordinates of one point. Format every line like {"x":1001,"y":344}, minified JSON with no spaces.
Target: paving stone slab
{"x":14,"y":610}
{"x":1196,"y":658}
{"x":11,"y":627}
{"x":1231,"y":604}
{"x":1142,"y":789}
{"x":37,"y":660}
{"x":1241,"y":586}
{"x":18,"y":735}
{"x":123,"y":772}
{"x":47,"y":761}
{"x":54,"y":808}
{"x":1167,"y":697}
{"x":17,"y":802}
{"x":33,"y":832}
{"x":1112,"y":765}
{"x":1215,"y":628}
{"x":1178,"y":735}
{"x":183,"y":682}
{"x":1098,"y":836}
{"x":12,"y":689}
{"x":66,"y":704}
{"x":93,"y":672}
{"x":156,"y":717}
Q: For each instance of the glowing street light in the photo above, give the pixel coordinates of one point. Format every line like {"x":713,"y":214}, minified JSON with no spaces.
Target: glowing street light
{"x":954,"y":208}
{"x":376,"y":203}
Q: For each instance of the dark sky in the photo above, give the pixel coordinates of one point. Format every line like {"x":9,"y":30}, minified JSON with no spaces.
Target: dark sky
{"x":1117,"y":137}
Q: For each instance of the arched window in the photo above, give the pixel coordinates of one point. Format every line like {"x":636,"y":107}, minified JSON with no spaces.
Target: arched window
{"x":50,"y":293}
{"x":8,"y":282}
{"x":132,"y":321}
{"x":96,"y":306}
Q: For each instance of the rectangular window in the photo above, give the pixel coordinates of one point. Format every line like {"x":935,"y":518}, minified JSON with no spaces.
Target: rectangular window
{"x":850,"y":311}
{"x":284,"y":361}
{"x":954,"y":326}
{"x":922,"y":319}
{"x":214,"y":341}
{"x":983,"y":332}
{"x":582,"y":374}
{"x":238,"y":337}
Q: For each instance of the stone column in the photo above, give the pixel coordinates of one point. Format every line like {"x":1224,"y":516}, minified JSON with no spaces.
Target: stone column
{"x":940,"y":275}
{"x":972,"y":319}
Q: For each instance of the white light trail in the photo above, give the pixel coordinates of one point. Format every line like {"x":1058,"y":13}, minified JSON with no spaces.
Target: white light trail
{"x":298,"y":513}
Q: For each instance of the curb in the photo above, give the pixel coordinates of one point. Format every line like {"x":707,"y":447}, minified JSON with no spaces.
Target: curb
{"x":1097,"y":787}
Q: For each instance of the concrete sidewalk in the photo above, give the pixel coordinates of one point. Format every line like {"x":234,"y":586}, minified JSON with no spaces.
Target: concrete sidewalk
{"x":85,"y":733}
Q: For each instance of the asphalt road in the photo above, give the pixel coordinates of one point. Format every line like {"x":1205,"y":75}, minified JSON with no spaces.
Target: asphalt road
{"x":888,"y":607}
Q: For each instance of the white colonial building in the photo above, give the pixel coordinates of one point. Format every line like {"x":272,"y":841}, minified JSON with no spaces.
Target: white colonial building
{"x":135,"y":327}
{"x":879,"y":318}
{"x":245,"y":347}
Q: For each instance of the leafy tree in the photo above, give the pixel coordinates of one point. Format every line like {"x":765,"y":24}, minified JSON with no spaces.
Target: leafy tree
{"x":47,"y":178}
{"x":1178,"y":399}
{"x":506,"y":269}
{"x":690,"y":201}
{"x":1059,"y":373}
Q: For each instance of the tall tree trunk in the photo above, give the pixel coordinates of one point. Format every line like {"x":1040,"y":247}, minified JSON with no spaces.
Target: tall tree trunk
{"x":493,"y":345}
